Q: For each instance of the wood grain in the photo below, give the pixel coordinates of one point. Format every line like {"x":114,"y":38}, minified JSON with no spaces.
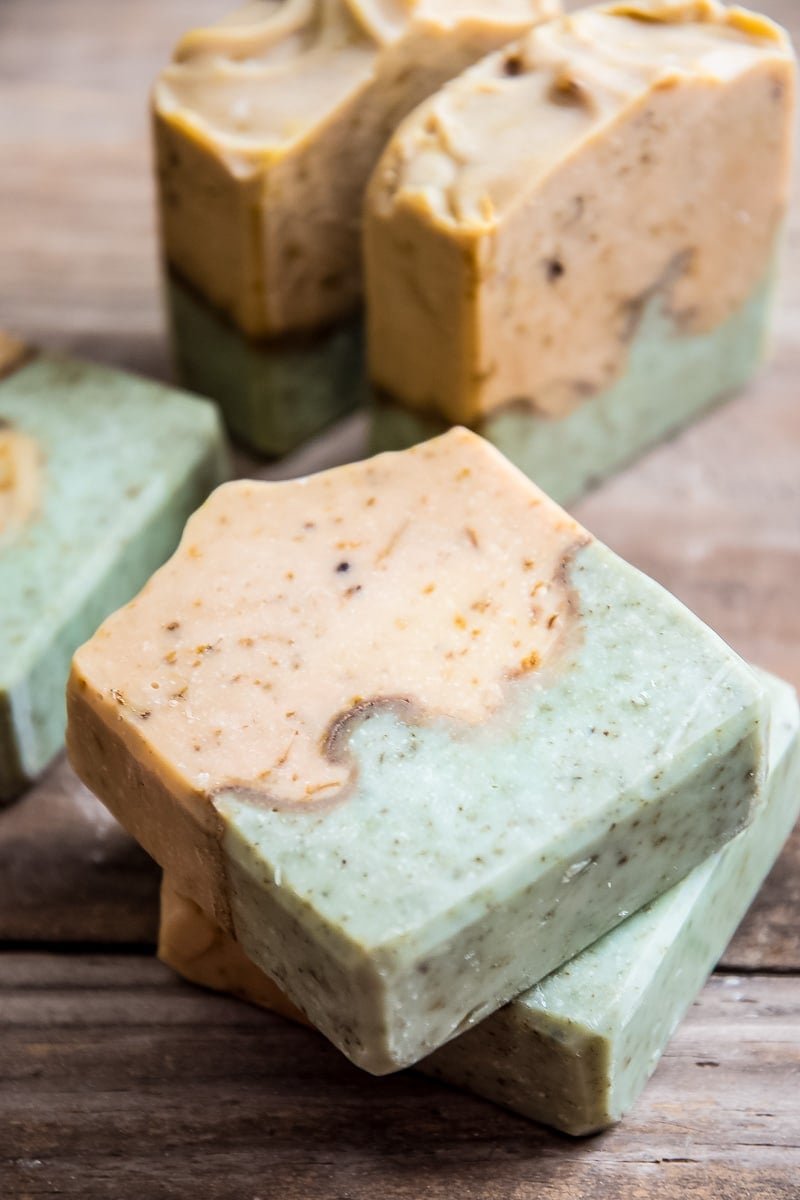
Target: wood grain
{"x":146,"y":1084}
{"x":69,"y":872}
{"x":769,"y":937}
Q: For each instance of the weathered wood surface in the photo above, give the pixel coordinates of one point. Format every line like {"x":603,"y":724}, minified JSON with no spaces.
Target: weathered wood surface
{"x":69,"y":872}
{"x":109,"y":1084}
{"x":114,"y":1077}
{"x":119,"y":1080}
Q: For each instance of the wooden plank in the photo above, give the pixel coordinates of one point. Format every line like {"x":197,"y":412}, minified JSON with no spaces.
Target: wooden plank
{"x":115,"y":1074}
{"x":69,"y":872}
{"x":767,"y":939}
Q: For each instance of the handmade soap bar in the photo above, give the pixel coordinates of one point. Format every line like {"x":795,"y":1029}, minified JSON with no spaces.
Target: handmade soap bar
{"x":267,"y":126}
{"x":413,"y":736}
{"x":98,"y":473}
{"x":576,"y":1050}
{"x":570,"y":247}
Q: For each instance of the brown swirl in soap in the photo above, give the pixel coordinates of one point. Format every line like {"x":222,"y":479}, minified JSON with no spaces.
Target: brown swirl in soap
{"x":427,"y":582}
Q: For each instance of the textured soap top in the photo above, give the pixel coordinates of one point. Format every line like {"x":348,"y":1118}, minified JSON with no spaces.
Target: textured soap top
{"x":601,"y":988}
{"x":428,"y":581}
{"x":262,"y":77}
{"x":544,"y":198}
{"x":471,"y":156}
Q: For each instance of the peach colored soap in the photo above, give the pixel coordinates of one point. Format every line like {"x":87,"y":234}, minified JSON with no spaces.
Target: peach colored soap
{"x":571,"y":246}
{"x":413,"y":736}
{"x":267,"y":125}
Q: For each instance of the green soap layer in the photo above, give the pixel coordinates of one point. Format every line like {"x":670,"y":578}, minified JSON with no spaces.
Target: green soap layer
{"x":576,"y":1050}
{"x":670,"y":378}
{"x":125,"y":463}
{"x":273,"y":396}
{"x":463,"y":868}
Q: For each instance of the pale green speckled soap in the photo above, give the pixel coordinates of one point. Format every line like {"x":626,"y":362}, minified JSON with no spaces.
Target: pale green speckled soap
{"x":576,"y":1049}
{"x":98,"y":472}
{"x":413,"y":736}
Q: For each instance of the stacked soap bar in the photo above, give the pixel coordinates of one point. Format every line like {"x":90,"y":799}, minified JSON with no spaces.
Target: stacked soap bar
{"x":413,"y":737}
{"x":571,"y":246}
{"x":576,"y":1050}
{"x":267,"y":126}
{"x":98,"y":473}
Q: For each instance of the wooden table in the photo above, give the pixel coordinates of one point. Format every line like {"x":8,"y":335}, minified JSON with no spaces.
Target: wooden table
{"x":117,"y":1079}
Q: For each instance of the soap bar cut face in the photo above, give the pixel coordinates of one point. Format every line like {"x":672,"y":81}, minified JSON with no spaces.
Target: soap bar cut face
{"x":413,"y":736}
{"x":267,"y":126}
{"x":670,"y":379}
{"x":577,"y":236}
{"x":274,"y":395}
{"x":575,"y":1051}
{"x":98,"y":473}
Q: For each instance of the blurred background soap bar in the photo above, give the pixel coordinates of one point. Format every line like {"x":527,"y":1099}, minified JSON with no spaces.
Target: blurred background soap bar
{"x":267,"y":126}
{"x":575,"y":1051}
{"x":98,"y":472}
{"x":571,"y":247}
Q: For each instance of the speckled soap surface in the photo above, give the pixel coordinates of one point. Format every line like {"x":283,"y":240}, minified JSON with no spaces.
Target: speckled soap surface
{"x":100,"y":471}
{"x":413,"y":736}
{"x":570,"y":247}
{"x":266,"y":127}
{"x":575,"y":1050}
{"x":669,"y":380}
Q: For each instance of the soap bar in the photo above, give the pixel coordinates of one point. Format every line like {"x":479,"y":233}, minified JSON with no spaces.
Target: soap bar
{"x":267,"y":126}
{"x":274,"y":395}
{"x":413,"y":736}
{"x":98,"y":472}
{"x":575,"y":1051}
{"x":571,"y":246}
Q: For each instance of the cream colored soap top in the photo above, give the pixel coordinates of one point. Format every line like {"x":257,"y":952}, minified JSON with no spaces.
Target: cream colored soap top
{"x":471,"y":159}
{"x":538,"y":202}
{"x":429,"y":580}
{"x":262,"y":78}
{"x":267,"y":127}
